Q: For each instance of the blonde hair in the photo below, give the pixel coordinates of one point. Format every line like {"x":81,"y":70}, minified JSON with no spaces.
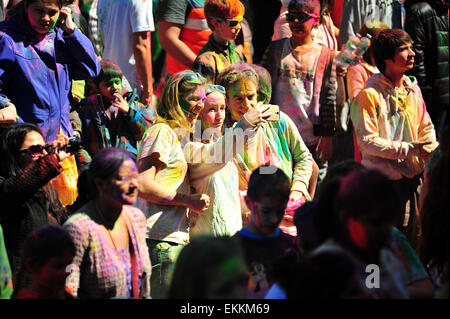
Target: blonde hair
{"x":177,"y":86}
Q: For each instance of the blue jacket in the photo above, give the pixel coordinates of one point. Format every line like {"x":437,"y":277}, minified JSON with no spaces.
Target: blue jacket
{"x":36,"y":75}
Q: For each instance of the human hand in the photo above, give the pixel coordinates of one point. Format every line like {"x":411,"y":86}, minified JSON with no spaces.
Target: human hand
{"x":418,"y":148}
{"x":120,"y":103}
{"x":147,"y":98}
{"x":198,"y":202}
{"x":59,"y":147}
{"x":324,"y":149}
{"x":257,"y":114}
{"x":296,"y":199}
{"x":65,"y":18}
{"x":8,"y":114}
{"x":340,"y":70}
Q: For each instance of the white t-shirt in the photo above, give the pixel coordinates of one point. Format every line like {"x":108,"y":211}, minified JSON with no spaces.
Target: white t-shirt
{"x":117,"y":21}
{"x":223,"y":217}
{"x":168,"y":223}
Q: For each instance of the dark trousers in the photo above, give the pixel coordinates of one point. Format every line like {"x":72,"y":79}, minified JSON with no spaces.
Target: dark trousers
{"x":408,"y":190}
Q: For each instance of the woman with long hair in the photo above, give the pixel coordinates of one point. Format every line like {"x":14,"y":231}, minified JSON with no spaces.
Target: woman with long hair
{"x":111,"y":259}
{"x":164,"y":184}
{"x":27,"y":198}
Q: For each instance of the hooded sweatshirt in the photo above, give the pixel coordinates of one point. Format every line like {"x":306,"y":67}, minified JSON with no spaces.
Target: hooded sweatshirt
{"x":35,"y":75}
{"x":386,"y":120}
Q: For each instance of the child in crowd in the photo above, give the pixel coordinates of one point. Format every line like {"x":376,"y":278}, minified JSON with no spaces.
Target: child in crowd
{"x":263,"y":242}
{"x":47,"y":254}
{"x":224,"y":19}
{"x":216,"y":178}
{"x":304,"y":80}
{"x":112,"y":117}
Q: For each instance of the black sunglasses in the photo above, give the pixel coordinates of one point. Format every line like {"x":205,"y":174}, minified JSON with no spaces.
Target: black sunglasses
{"x":232,"y":23}
{"x":301,"y":17}
{"x":34,"y":150}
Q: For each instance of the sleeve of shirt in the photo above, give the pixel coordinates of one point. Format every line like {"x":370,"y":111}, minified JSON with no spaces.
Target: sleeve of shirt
{"x":173,"y":11}
{"x":7,"y":60}
{"x":84,"y":63}
{"x":355,"y":82}
{"x":206,"y":65}
{"x":138,"y":119}
{"x":301,"y":157}
{"x":363,"y":113}
{"x":427,"y":132}
{"x":157,"y":143}
{"x":206,"y":159}
{"x":141,"y":16}
{"x":414,"y":267}
{"x":80,"y":239}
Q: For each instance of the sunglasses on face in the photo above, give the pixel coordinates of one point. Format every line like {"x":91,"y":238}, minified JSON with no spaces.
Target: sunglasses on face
{"x":301,"y":17}
{"x":232,"y":23}
{"x":213,"y":87}
{"x":34,"y":150}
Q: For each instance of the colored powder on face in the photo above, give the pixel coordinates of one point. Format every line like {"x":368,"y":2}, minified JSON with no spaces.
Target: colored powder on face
{"x":358,"y":233}
{"x":185,"y":105}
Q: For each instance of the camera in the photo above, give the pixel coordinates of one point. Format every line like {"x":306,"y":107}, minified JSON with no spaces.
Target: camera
{"x":73,"y":145}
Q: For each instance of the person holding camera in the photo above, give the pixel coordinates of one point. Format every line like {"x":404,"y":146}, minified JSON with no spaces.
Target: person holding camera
{"x":28,"y":199}
{"x":41,"y":52}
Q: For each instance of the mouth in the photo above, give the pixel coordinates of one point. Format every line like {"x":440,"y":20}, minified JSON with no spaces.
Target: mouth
{"x":132,"y":191}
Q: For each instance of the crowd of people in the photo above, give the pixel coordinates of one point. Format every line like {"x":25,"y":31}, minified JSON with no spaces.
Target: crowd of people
{"x":175,"y":149}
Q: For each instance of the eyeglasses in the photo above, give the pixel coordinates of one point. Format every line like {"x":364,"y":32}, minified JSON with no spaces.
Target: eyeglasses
{"x":214,"y":87}
{"x":301,"y":17}
{"x":232,"y":23}
{"x":34,"y":150}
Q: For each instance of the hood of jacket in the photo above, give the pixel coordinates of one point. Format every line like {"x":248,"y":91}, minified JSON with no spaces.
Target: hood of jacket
{"x":380,"y":82}
{"x":19,"y":25}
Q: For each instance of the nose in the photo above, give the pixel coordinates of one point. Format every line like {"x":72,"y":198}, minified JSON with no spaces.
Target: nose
{"x":45,"y":17}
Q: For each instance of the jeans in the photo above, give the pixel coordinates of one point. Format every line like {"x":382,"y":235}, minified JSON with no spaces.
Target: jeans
{"x":163,"y":256}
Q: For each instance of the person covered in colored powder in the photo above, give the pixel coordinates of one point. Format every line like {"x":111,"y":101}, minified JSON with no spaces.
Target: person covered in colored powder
{"x":277,"y":142}
{"x":113,"y":117}
{"x":211,"y":167}
{"x":393,"y":129}
{"x":224,"y":19}
{"x":304,"y":81}
{"x":111,"y":256}
{"x":58,"y":53}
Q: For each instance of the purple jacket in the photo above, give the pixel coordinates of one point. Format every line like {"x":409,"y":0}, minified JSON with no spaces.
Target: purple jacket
{"x":36,"y":75}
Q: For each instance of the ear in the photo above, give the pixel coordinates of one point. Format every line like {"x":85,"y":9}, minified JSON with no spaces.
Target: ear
{"x":248,"y":202}
{"x":214,"y":23}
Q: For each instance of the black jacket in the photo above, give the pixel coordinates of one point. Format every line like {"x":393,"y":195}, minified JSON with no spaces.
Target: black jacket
{"x":25,"y":205}
{"x":427,"y":23}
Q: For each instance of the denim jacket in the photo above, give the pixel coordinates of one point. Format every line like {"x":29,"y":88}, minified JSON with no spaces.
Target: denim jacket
{"x":35,"y":75}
